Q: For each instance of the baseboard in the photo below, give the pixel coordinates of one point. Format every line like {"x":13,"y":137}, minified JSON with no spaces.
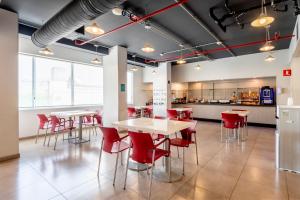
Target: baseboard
{"x":249,"y":123}
{"x":11,"y":157}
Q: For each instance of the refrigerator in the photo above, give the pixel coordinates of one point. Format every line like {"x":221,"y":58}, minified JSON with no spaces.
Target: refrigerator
{"x":288,"y":138}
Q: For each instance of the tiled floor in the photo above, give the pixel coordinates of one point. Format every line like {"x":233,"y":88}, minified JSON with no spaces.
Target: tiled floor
{"x":225,"y":171}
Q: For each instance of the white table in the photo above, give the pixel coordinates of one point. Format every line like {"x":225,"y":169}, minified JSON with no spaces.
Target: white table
{"x":75,"y":113}
{"x":240,"y":113}
{"x":162,"y":126}
{"x":181,"y":110}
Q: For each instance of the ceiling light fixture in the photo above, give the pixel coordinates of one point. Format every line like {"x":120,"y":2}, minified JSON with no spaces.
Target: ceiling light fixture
{"x":161,"y":54}
{"x":46,"y":51}
{"x":96,"y":61}
{"x":263,"y":19}
{"x":94,"y":29}
{"x":117,"y":11}
{"x":268,"y":46}
{"x":181,"y":60}
{"x":154,"y":71}
{"x":219,"y":43}
{"x":147,"y":26}
{"x":148,"y":48}
{"x":270,"y":58}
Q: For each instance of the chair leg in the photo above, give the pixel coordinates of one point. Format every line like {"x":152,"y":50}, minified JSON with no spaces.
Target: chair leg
{"x":183,"y":161}
{"x":45,"y":136}
{"x":99,"y":161}
{"x":121,"y":158}
{"x":196,"y":149}
{"x":151,"y":175}
{"x":37,"y":135}
{"x":221,"y":131}
{"x":126,"y":169}
{"x":49,"y":139}
{"x":177,"y":147}
{"x":116,"y":166}
{"x":56,"y":136}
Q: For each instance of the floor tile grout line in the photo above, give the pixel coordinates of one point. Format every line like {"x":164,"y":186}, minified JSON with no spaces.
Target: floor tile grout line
{"x":243,"y":167}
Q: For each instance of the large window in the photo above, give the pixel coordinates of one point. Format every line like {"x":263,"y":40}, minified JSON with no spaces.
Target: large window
{"x":129,"y":87}
{"x":47,"y":82}
{"x":87,"y":83}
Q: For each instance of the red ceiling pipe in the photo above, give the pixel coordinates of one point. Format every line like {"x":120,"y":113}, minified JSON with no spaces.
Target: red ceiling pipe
{"x":276,"y":38}
{"x":139,"y":19}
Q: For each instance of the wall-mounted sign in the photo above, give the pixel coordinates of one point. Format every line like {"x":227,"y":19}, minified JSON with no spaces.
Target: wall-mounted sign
{"x":123,"y":87}
{"x":287,"y":72}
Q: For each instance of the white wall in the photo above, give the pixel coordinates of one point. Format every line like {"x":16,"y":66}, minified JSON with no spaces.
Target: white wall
{"x":9,"y":146}
{"x":247,"y":66}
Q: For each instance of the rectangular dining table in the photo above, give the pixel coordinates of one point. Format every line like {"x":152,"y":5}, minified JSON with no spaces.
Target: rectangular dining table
{"x":76,"y":113}
{"x":165,"y":127}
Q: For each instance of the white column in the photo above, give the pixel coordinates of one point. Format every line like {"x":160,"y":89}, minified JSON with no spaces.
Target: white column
{"x":9,"y":144}
{"x":115,"y":78}
{"x":162,"y":89}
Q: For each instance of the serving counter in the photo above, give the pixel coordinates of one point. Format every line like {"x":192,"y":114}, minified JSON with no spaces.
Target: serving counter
{"x":260,"y":114}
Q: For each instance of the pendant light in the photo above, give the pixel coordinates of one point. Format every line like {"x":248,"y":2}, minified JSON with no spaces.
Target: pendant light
{"x":94,"y":29}
{"x":96,"y":61}
{"x":117,"y":11}
{"x":148,"y":48}
{"x":263,"y":19}
{"x":268,"y":46}
{"x":46,"y":51}
{"x":270,"y":58}
{"x":181,"y":61}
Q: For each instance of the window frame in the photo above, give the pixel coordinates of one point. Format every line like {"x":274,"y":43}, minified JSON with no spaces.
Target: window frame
{"x":72,"y":63}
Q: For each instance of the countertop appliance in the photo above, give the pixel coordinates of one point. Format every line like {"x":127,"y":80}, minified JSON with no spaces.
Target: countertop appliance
{"x":288,"y":138}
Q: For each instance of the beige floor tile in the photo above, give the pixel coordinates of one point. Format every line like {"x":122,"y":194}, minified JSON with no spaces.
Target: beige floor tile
{"x":293,"y":181}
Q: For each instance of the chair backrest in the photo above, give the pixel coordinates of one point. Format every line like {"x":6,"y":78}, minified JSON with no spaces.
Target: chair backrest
{"x":110,"y":136}
{"x":187,"y":114}
{"x":55,"y":122}
{"x":98,"y":119}
{"x":42,"y":120}
{"x":131,"y":111}
{"x":230,"y":120}
{"x":186,"y":134}
{"x":142,"y":147}
{"x":171,"y":114}
{"x":159,"y":117}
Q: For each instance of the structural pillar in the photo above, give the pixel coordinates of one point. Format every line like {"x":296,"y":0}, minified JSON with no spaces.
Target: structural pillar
{"x":115,"y":80}
{"x":9,"y":120}
{"x":162,"y":89}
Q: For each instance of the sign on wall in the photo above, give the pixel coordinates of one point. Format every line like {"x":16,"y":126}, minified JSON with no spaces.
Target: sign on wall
{"x":287,"y":72}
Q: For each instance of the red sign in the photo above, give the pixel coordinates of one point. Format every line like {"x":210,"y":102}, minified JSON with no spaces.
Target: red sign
{"x":287,"y":72}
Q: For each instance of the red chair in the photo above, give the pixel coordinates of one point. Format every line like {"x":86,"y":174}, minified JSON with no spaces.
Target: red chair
{"x":98,"y":119}
{"x":148,"y":112}
{"x":44,"y":124}
{"x":131,"y":112}
{"x":172,"y":114}
{"x":243,"y":121}
{"x":144,"y":151}
{"x":60,"y":125}
{"x":186,"y":139}
{"x":187,"y":114}
{"x":231,"y":122}
{"x":112,"y":143}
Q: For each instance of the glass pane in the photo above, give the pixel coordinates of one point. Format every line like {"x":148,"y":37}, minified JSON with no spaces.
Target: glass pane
{"x":88,"y":84}
{"x":25,"y":81}
{"x":53,"y":82}
{"x":129,"y":87}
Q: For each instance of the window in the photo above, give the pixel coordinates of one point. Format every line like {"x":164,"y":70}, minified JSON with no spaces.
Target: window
{"x":53,"y":82}
{"x":49,"y":82}
{"x":25,"y":81}
{"x":129,"y":87}
{"x":88,"y":84}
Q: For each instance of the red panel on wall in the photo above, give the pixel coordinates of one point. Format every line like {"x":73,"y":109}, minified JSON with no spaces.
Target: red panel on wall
{"x":287,"y":72}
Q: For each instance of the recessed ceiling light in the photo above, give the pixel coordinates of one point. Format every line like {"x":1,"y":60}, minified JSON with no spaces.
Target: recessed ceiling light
{"x":147,"y":26}
{"x":46,"y":51}
{"x":94,"y":29}
{"x":148,"y":48}
{"x":270,"y":58}
{"x":96,"y":61}
{"x":134,"y":69}
{"x":219,"y":43}
{"x":181,"y":61}
{"x":117,"y":11}
{"x":161,"y":54}
{"x":267,"y":46}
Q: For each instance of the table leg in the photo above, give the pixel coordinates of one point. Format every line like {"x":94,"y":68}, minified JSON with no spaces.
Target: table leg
{"x":80,"y":140}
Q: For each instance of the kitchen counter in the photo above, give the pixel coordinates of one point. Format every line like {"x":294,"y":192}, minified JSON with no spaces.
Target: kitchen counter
{"x":259,"y":114}
{"x":222,"y":104}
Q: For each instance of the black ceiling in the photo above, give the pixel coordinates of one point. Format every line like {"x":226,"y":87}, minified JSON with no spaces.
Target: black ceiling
{"x":180,"y":26}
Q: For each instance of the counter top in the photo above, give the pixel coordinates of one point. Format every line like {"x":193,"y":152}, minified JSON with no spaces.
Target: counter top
{"x":223,"y":104}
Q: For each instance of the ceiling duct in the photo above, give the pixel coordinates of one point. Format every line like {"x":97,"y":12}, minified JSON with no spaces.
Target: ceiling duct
{"x":70,"y":18}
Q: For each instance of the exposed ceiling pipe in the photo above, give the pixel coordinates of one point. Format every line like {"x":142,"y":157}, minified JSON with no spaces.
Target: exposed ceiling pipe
{"x":138,"y":20}
{"x":205,"y":27}
{"x":70,"y":18}
{"x":170,"y":59}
